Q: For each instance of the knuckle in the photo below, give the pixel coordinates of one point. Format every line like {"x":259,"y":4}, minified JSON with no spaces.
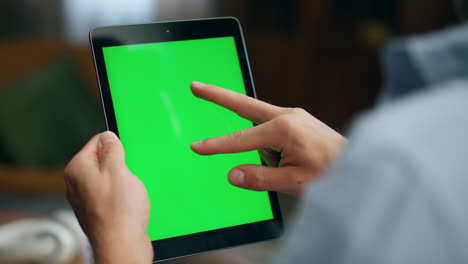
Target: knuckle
{"x":290,"y":128}
{"x":106,"y":150}
{"x":285,"y":123}
{"x":109,"y":153}
{"x":236,"y":136}
{"x":294,"y":110}
{"x":288,"y":110}
{"x":69,"y":172}
{"x":258,"y":181}
{"x":71,"y":181}
{"x":299,"y":111}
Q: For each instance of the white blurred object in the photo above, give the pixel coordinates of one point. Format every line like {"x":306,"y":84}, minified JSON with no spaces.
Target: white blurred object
{"x":37,"y":240}
{"x":68,"y":219}
{"x":82,"y":15}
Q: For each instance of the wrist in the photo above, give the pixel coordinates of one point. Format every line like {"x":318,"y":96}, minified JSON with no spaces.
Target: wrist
{"x":115,"y":248}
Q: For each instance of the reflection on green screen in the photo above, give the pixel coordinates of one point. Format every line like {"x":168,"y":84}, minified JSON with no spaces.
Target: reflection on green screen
{"x":158,"y":117}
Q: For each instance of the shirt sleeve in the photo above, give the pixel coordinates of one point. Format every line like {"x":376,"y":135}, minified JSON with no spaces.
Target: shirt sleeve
{"x":372,"y":207}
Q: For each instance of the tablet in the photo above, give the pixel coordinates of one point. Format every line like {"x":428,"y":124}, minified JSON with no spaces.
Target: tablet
{"x":144,"y":73}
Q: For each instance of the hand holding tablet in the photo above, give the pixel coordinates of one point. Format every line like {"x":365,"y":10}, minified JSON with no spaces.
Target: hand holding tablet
{"x":110,"y":203}
{"x":144,"y":72}
{"x":87,"y":176}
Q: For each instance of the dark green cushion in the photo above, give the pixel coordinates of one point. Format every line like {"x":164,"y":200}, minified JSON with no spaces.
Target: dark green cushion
{"x":47,"y":117}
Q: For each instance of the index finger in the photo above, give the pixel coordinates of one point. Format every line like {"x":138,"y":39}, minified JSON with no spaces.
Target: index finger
{"x":243,"y":105}
{"x":264,"y":135}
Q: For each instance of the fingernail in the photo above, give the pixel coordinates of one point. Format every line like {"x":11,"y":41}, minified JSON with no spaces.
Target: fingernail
{"x":107,"y":138}
{"x":197,"y":84}
{"x":197,"y":143}
{"x":237,"y":177}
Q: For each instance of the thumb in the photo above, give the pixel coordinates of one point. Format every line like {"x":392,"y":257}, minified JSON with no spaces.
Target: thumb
{"x":262,"y":178}
{"x":110,"y":152}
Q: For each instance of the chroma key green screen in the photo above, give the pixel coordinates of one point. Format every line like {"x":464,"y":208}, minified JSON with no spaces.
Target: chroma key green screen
{"x":158,"y":117}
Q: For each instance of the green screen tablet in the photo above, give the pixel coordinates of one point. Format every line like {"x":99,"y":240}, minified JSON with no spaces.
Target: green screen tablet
{"x":149,"y":104}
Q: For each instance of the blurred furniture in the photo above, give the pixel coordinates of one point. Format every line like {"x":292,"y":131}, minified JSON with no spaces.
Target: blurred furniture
{"x":421,"y":16}
{"x":20,"y":58}
{"x":21,"y":18}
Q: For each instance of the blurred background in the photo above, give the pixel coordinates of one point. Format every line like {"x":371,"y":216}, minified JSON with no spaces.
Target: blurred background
{"x":320,"y":55}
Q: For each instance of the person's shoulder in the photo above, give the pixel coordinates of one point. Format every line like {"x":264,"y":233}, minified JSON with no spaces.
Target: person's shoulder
{"x":433,"y":114}
{"x":403,"y":172}
{"x":422,"y":137}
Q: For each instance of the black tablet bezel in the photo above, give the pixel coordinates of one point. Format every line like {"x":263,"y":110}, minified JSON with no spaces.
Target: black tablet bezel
{"x":175,"y":31}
